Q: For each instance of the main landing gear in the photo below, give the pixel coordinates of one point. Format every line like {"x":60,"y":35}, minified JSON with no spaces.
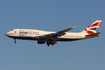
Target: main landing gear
{"x":14,"y":40}
{"x":50,"y":42}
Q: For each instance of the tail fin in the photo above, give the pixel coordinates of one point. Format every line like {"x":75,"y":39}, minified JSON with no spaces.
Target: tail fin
{"x":91,"y":29}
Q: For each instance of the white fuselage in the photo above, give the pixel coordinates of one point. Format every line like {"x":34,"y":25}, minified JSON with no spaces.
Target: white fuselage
{"x":29,"y":34}
{"x":51,"y":38}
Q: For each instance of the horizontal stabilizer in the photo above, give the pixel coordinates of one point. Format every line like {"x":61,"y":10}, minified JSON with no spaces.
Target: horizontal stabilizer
{"x":93,"y":35}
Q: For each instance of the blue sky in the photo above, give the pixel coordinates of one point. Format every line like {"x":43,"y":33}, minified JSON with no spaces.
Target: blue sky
{"x":51,"y":15}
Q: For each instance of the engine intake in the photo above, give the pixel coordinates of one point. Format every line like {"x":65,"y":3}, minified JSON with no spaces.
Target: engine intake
{"x":54,"y":35}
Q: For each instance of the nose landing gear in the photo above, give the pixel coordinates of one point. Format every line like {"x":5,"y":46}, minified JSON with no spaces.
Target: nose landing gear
{"x":14,"y":40}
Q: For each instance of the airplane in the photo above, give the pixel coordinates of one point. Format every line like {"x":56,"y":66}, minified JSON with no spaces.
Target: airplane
{"x":51,"y":38}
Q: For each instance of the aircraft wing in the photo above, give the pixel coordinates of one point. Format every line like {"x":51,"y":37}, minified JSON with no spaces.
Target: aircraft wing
{"x":54,"y":36}
{"x":63,"y":31}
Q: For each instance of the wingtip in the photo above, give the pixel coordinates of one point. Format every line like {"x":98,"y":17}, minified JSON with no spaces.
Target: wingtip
{"x":74,"y":26}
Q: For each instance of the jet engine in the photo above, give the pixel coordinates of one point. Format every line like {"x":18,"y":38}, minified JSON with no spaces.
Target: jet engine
{"x":40,"y":42}
{"x":41,"y":38}
{"x":54,"y":35}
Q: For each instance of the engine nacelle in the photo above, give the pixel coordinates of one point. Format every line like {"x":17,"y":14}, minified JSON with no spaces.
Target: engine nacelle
{"x":41,"y":38}
{"x":40,"y":42}
{"x":54,"y":35}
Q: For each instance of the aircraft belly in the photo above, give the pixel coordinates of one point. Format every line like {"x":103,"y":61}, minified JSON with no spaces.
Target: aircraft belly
{"x":31,"y":38}
{"x":67,"y":39}
{"x":22,"y":37}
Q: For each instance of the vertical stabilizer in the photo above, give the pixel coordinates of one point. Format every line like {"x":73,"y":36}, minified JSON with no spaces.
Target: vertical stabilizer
{"x":91,"y":29}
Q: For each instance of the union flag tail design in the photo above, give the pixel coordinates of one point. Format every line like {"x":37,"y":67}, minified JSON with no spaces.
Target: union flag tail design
{"x":91,"y":29}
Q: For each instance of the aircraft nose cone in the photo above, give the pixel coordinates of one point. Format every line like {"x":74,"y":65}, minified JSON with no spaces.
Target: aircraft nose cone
{"x":6,"y":34}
